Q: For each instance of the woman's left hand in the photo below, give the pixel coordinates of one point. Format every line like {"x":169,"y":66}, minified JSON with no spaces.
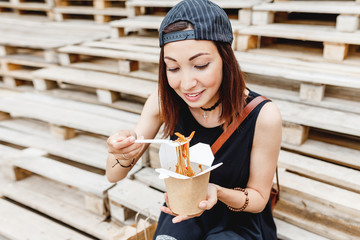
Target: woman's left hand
{"x":211,"y":200}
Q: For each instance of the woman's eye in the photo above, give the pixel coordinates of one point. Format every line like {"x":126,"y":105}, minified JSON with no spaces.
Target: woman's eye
{"x":202,"y":66}
{"x":172,"y":69}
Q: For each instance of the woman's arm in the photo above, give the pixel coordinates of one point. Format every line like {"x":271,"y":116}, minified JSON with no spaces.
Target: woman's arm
{"x":264,"y":156}
{"x":121,"y":145}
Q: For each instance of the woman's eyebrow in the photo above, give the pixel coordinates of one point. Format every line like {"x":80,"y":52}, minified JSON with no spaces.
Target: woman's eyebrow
{"x":198,"y":55}
{"x":170,"y":58}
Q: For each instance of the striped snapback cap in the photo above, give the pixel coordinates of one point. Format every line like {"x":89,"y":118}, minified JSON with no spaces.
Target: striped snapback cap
{"x":210,"y":22}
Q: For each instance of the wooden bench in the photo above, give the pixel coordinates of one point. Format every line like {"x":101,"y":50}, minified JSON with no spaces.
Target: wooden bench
{"x":318,"y":207}
{"x":343,"y":177}
{"x":30,"y":224}
{"x":286,"y":231}
{"x":336,"y":44}
{"x":243,"y":7}
{"x":98,"y":15}
{"x":107,"y":85}
{"x":60,"y":202}
{"x":66,"y":115}
{"x":136,"y":196}
{"x":310,"y":77}
{"x":92,"y":185}
{"x":125,"y":59}
{"x":84,"y":149}
{"x":347,"y":19}
{"x":297,"y":118}
{"x":16,"y":69}
{"x":42,"y":38}
{"x":123,"y":27}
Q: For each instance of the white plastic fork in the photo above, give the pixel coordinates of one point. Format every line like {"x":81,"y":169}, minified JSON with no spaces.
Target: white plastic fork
{"x":160,"y":141}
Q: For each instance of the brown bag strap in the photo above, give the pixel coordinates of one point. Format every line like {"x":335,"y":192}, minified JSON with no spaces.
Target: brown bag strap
{"x":236,"y":123}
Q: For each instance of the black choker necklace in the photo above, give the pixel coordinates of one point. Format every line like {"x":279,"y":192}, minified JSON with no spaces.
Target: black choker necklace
{"x":211,"y":108}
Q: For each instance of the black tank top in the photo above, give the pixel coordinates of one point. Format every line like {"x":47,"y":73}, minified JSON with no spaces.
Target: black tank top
{"x":235,"y":156}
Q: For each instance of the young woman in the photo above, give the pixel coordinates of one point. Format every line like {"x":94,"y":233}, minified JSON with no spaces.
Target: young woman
{"x":202,"y":89}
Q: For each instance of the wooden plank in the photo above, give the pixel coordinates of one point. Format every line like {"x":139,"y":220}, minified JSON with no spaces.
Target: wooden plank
{"x":330,"y":152}
{"x":114,"y":11}
{"x":335,"y":175}
{"x":84,"y":180}
{"x":331,"y":120}
{"x":286,"y":231}
{"x":269,"y":91}
{"x":302,"y":32}
{"x":60,"y":202}
{"x":294,"y":133}
{"x":347,"y":23}
{"x":151,"y":178}
{"x":126,"y":104}
{"x":83,"y":149}
{"x":331,"y":7}
{"x":222,"y":3}
{"x":86,"y":117}
{"x":298,"y":70}
{"x":138,"y":197}
{"x":100,"y":80}
{"x":314,"y":222}
{"x":27,"y":227}
{"x":120,"y":44}
{"x":338,"y":199}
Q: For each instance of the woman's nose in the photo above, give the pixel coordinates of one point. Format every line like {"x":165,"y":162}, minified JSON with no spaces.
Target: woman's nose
{"x":188,"y":83}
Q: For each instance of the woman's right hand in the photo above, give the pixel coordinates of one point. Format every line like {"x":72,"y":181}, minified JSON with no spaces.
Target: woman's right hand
{"x":122,"y":146}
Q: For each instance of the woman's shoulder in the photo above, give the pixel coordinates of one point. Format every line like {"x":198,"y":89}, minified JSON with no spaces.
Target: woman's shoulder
{"x":269,"y":114}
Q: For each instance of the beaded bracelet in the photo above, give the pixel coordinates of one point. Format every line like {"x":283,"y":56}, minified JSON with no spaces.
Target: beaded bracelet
{"x":130,"y":165}
{"x":245,"y":204}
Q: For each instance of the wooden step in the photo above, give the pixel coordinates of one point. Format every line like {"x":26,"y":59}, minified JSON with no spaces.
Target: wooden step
{"x":138,"y":197}
{"x":71,"y":92}
{"x":311,"y":116}
{"x":319,"y":170}
{"x":336,"y":200}
{"x":28,"y":225}
{"x":81,"y":179}
{"x":93,"y":185}
{"x":314,"y":222}
{"x":26,"y":6}
{"x":45,"y":35}
{"x":146,"y":22}
{"x":300,"y":70}
{"x":150,"y":177}
{"x":302,"y":32}
{"x":84,"y":149}
{"x":336,"y":44}
{"x":265,"y":86}
{"x":286,"y":231}
{"x":330,"y":152}
{"x":225,"y":4}
{"x":98,"y":80}
{"x":60,"y":202}
{"x":334,"y":7}
{"x":71,"y":114}
{"x":79,"y":10}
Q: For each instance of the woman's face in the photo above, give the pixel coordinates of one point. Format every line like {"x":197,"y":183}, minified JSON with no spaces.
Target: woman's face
{"x":194,"y":71}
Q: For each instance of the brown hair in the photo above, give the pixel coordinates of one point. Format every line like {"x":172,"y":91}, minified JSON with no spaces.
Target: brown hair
{"x":231,"y":91}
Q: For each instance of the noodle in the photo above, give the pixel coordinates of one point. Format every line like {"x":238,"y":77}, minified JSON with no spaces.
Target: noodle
{"x":182,"y":151}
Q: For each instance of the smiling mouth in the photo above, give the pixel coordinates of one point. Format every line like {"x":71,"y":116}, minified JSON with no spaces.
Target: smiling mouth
{"x":193,"y":94}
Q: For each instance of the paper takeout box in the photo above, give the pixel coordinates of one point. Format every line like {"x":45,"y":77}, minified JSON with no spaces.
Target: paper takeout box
{"x":185,"y":193}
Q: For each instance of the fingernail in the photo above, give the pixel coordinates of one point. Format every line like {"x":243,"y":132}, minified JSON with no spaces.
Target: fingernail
{"x":131,"y":139}
{"x":202,"y":205}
